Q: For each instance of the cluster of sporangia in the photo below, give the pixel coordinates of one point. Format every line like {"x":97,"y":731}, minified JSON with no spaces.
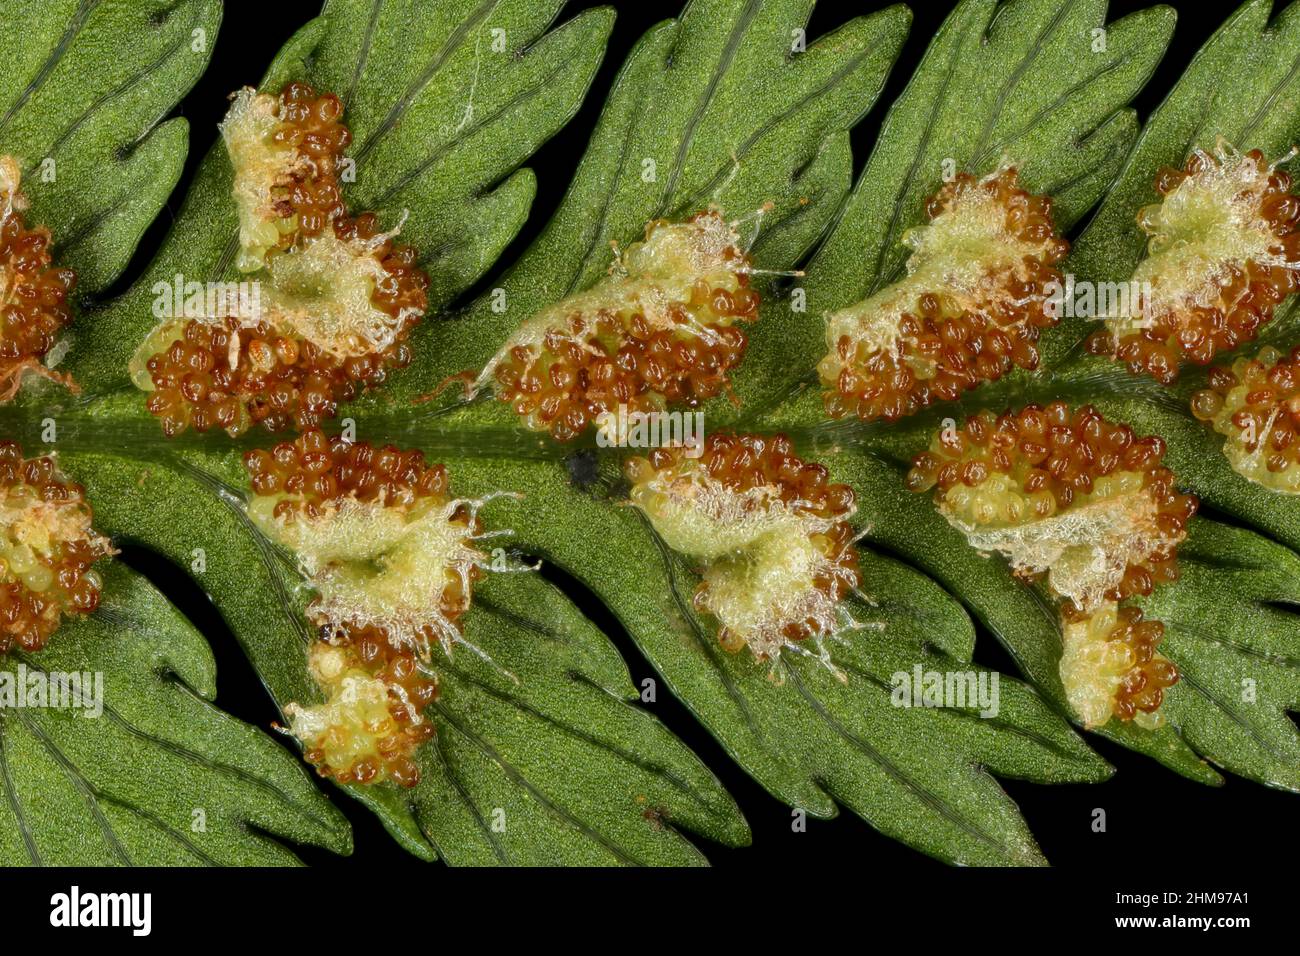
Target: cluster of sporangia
{"x":770,"y":530}
{"x":47,"y":548}
{"x":1256,"y":404}
{"x":47,"y":542}
{"x":390,"y":557}
{"x":970,"y":309}
{"x":337,"y":298}
{"x":1067,"y":495}
{"x":659,"y":329}
{"x":1223,"y":253}
{"x":387,"y":552}
{"x":33,"y":293}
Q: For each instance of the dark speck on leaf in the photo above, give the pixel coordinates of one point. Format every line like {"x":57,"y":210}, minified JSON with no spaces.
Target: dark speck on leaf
{"x":583,"y":468}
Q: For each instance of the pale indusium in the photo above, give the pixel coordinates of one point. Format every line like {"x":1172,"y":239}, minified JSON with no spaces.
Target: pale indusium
{"x":1223,"y":253}
{"x":48,"y":545}
{"x":970,"y":309}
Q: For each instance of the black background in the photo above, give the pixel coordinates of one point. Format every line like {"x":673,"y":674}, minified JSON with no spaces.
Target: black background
{"x":1156,"y":820}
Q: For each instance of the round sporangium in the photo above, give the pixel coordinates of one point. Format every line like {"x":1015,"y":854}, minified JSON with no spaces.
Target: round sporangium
{"x":1255,"y":404}
{"x":391,"y":558}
